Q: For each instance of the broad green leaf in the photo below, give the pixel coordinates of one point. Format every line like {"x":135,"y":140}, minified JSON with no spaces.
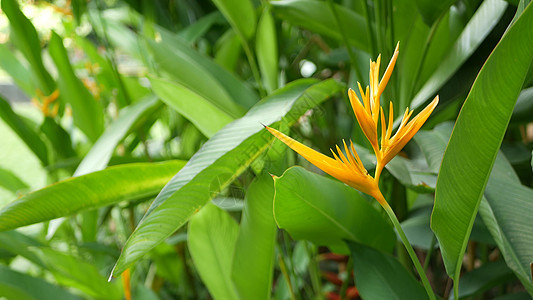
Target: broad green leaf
{"x":18,"y":72}
{"x":239,"y":92}
{"x":11,"y":182}
{"x":489,"y":275}
{"x":327,"y":212}
{"x":506,"y":209}
{"x":207,"y":117}
{"x":17,"y":243}
{"x":211,"y":239}
{"x":194,"y":77}
{"x":24,"y":36}
{"x":99,"y":155}
{"x":26,"y":134}
{"x":254,"y":249}
{"x":221,"y":159}
{"x":318,"y":17}
{"x":16,"y":285}
{"x":86,"y":111}
{"x":240,"y":14}
{"x":476,"y":139}
{"x":266,"y":45}
{"x":75,"y":272}
{"x":67,"y":197}
{"x":381,"y":276}
{"x":431,"y":10}
{"x":475,"y":32}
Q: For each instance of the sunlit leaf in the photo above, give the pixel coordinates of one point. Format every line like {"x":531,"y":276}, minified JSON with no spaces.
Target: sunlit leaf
{"x":255,"y":244}
{"x":211,"y":239}
{"x":115,"y":184}
{"x":224,"y":157}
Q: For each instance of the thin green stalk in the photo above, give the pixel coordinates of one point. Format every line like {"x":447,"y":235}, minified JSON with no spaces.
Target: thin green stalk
{"x":409,"y":248}
{"x":314,"y":272}
{"x":373,"y":45}
{"x":253,"y":64}
{"x":346,"y":282}
{"x":284,"y":271}
{"x":353,"y":59}
{"x":430,"y":251}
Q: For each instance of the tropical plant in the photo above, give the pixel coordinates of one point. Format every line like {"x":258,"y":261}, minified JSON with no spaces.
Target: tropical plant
{"x":152,"y":162}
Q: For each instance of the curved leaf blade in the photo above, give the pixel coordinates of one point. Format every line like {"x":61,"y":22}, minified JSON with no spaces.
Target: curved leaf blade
{"x":87,"y":113}
{"x":479,"y":26}
{"x":16,"y":285}
{"x":224,"y":157}
{"x":254,"y":249}
{"x":26,"y":134}
{"x":327,"y":212}
{"x":267,"y":50}
{"x":506,"y":210}
{"x":318,"y":17}
{"x":381,"y":276}
{"x":240,"y":14}
{"x":27,"y":41}
{"x":205,"y":116}
{"x":211,"y":239}
{"x":476,"y":138}
{"x":115,"y":184}
{"x":100,"y":154}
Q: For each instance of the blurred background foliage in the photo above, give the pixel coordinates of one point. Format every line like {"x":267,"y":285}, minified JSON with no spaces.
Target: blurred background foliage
{"x":150,"y":88}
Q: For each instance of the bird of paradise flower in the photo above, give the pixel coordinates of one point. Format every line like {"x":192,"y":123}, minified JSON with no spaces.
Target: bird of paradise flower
{"x":348,"y":167}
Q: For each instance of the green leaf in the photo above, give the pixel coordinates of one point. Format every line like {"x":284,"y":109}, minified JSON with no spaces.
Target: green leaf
{"x":197,"y":29}
{"x":433,"y":143}
{"x":506,"y":210}
{"x":25,"y":38}
{"x":240,"y":14}
{"x":211,"y":239}
{"x":266,"y":45}
{"x":221,"y":159}
{"x":75,"y":272}
{"x":239,"y":92}
{"x":58,"y":137}
{"x":16,"y":285}
{"x":381,"y":276}
{"x":115,"y":184}
{"x":207,"y":117}
{"x":99,"y":155}
{"x":11,"y":182}
{"x":26,"y":134}
{"x":228,"y":50}
{"x":86,"y":111}
{"x":318,"y":17}
{"x":431,"y":10}
{"x":16,"y":70}
{"x":475,"y":32}
{"x":254,"y":249}
{"x":17,"y":243}
{"x":489,"y":275}
{"x":327,"y":212}
{"x":194,"y":77}
{"x":476,"y":139}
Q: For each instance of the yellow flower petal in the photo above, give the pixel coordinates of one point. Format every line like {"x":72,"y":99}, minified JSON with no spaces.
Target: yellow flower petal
{"x":406,"y":131}
{"x":346,"y":169}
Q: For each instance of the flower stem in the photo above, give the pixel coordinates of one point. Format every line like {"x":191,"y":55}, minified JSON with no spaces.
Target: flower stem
{"x":409,"y":248}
